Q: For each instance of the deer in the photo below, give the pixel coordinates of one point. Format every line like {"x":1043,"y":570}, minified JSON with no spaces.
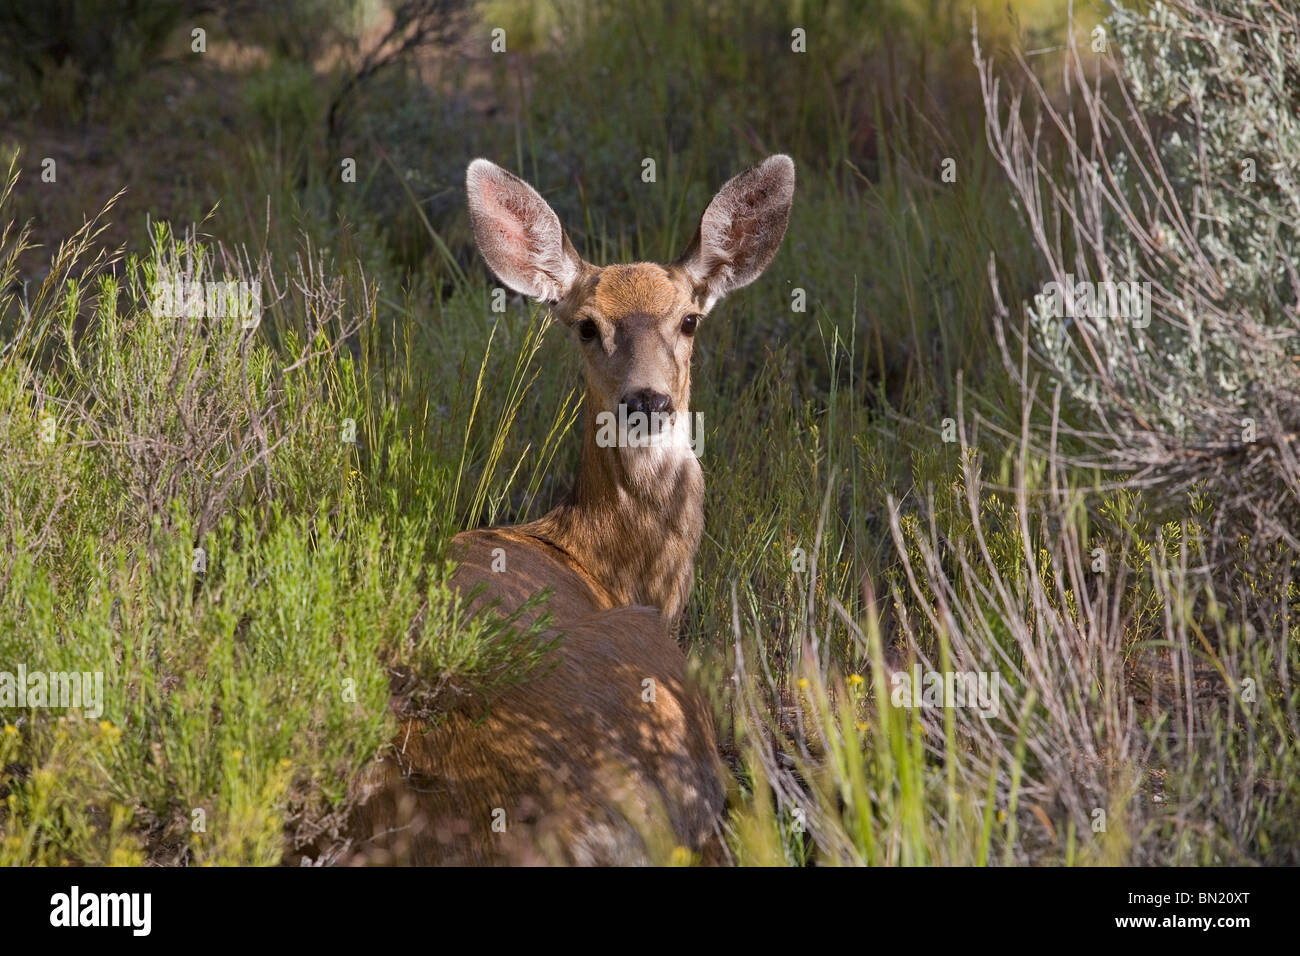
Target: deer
{"x":609,"y":747}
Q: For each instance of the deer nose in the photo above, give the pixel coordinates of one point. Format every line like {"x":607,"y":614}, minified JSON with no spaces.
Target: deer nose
{"x":648,"y":401}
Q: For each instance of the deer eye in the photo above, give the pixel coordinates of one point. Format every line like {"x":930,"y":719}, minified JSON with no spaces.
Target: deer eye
{"x":689,"y":323}
{"x":587,"y":330}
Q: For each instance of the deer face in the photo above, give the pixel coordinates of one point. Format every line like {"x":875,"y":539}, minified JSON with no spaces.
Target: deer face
{"x":636,"y":327}
{"x":635,"y":324}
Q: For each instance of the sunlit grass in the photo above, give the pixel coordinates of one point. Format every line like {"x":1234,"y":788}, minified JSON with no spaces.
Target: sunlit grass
{"x":243,"y":698}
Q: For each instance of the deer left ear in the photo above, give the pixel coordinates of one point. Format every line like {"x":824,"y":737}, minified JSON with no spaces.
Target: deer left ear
{"x":741,"y":229}
{"x":519,"y":234}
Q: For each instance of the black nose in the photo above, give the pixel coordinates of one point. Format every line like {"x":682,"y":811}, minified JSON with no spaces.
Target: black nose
{"x":648,"y":401}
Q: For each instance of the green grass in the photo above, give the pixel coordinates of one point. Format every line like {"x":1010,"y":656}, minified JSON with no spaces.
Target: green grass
{"x":242,"y":699}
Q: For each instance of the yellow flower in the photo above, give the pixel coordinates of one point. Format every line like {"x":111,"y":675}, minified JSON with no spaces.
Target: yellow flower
{"x":1002,"y":816}
{"x":855,"y":680}
{"x":11,"y":730}
{"x":237,"y":754}
{"x":111,"y":733}
{"x":862,"y":726}
{"x":285,"y":763}
{"x":803,"y":683}
{"x":681,"y":856}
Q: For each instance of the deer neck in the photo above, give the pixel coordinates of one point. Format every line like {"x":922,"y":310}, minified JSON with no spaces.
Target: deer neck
{"x":633,"y":520}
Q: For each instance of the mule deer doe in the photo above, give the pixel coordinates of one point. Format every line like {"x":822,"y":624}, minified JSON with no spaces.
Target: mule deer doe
{"x":577,"y":764}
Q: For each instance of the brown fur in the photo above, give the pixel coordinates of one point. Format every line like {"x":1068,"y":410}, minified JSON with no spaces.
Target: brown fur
{"x":585,"y":768}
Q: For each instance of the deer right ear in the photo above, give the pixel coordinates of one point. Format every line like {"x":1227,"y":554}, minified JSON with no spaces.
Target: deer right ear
{"x":741,"y":229}
{"x":519,"y":235}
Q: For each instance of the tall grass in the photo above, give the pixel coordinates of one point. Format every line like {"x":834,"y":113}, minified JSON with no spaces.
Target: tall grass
{"x":187,"y":516}
{"x":847,"y":538}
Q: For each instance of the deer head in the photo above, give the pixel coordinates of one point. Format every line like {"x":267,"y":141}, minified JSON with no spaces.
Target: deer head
{"x":635,"y":324}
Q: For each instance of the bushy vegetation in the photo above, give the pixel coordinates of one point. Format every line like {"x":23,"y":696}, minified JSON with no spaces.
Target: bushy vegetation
{"x":243,"y":527}
{"x":1184,"y":181}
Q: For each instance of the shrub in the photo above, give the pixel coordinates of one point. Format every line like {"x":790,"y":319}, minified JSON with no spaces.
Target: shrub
{"x":101,"y":40}
{"x":1181,"y":174}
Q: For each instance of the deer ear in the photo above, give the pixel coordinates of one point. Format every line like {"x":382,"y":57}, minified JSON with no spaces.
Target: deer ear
{"x":741,"y":230}
{"x":519,"y":235}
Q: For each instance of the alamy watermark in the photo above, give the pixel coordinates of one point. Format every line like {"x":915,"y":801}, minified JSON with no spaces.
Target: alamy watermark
{"x":178,"y":297}
{"x":978,"y":690}
{"x":53,"y":689}
{"x":1096,"y":300}
{"x":74,"y":908}
{"x":626,"y":429}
